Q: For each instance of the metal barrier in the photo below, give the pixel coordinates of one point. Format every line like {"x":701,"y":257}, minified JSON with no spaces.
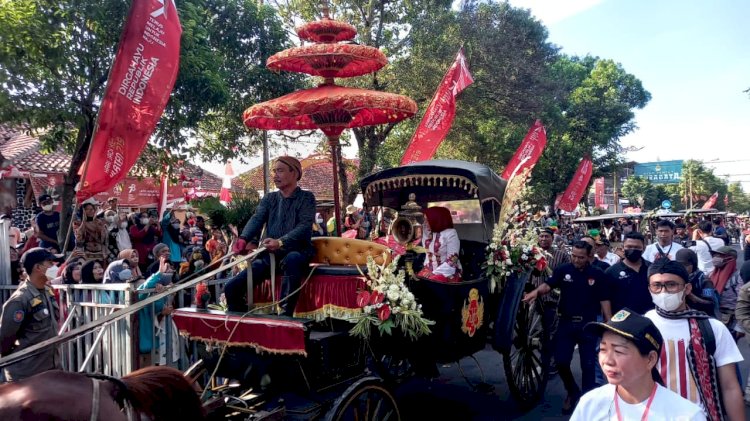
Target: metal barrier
{"x":102,"y":324}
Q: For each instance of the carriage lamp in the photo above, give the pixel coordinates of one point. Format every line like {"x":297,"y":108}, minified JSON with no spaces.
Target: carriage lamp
{"x":407,"y":227}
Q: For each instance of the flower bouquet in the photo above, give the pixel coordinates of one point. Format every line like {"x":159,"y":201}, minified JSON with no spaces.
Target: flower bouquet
{"x":514,"y":248}
{"x":387,"y":304}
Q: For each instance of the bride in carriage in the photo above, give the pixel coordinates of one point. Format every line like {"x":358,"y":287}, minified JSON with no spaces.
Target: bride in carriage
{"x":442,"y":246}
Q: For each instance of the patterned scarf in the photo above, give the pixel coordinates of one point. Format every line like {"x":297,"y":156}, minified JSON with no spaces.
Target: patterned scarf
{"x":702,"y":364}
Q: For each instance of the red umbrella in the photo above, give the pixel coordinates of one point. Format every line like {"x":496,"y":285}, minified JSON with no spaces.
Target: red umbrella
{"x":329,"y":107}
{"x":329,"y":60}
{"x":326,"y":31}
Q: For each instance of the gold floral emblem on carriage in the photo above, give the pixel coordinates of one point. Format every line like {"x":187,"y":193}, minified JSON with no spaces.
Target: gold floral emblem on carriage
{"x":472,"y":315}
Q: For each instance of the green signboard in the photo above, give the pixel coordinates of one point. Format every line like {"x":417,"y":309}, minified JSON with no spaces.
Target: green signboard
{"x":665,"y":172}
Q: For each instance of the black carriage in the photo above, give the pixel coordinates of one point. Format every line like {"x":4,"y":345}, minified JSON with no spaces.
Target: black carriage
{"x":474,"y":194}
{"x":310,"y":367}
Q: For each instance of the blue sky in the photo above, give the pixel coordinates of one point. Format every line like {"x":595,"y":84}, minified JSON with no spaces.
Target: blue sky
{"x":694,"y":58}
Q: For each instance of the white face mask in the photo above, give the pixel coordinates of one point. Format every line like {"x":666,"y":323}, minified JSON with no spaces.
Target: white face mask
{"x":52,"y":272}
{"x":144,"y":221}
{"x":110,"y":219}
{"x":668,"y":301}
{"x":176,"y":225}
{"x":47,"y":208}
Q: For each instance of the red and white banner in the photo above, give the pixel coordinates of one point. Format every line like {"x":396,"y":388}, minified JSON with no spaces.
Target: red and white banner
{"x":225,"y":196}
{"x":130,"y":192}
{"x":711,"y":202}
{"x":599,"y":201}
{"x":528,"y":152}
{"x":577,"y":186}
{"x":440,"y":113}
{"x":139,"y":85}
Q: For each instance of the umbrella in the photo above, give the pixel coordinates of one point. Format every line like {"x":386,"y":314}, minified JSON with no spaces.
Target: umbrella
{"x":329,"y":107}
{"x":329,"y":60}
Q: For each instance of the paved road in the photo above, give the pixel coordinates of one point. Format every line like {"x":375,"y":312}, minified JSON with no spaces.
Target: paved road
{"x":450,"y":397}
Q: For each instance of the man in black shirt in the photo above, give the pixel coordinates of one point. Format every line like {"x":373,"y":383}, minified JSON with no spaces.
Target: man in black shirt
{"x":629,"y":277}
{"x":288,"y":215}
{"x":583,"y":296}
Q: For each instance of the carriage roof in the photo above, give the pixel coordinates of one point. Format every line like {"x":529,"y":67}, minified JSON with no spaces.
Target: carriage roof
{"x":433,"y":181}
{"x":606,"y":217}
{"x":699,"y":211}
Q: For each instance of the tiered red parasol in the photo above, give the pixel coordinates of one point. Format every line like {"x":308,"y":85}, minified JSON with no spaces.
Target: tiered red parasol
{"x":329,"y":107}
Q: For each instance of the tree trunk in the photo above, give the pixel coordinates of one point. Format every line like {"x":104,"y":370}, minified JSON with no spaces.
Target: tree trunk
{"x":85,"y":132}
{"x":369,"y":139}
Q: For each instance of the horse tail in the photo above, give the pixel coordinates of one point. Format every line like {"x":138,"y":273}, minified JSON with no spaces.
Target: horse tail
{"x":164,"y":394}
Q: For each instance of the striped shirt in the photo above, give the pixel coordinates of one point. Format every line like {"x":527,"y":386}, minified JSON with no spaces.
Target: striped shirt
{"x":559,"y":257}
{"x":673,"y":362}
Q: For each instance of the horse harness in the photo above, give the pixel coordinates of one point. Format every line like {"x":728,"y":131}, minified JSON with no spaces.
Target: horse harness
{"x":120,"y":397}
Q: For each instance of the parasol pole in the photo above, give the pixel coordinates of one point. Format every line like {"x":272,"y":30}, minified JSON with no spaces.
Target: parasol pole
{"x":333,"y":143}
{"x":266,"y":161}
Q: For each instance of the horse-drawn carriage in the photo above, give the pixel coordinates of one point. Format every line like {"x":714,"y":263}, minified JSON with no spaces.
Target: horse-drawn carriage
{"x":310,"y":367}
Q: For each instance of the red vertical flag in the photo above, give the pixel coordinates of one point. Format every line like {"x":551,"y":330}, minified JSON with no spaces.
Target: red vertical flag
{"x":440,"y":113}
{"x":528,"y":152}
{"x":711,"y":201}
{"x":599,"y":193}
{"x":577,"y":186}
{"x":139,"y":85}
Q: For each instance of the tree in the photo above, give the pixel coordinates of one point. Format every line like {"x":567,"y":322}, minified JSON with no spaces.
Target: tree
{"x":55,"y":57}
{"x":699,"y":183}
{"x":586,"y":103}
{"x":739,"y":201}
{"x":640,"y":191}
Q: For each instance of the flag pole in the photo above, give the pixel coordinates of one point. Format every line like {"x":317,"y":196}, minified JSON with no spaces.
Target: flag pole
{"x":86,"y":160}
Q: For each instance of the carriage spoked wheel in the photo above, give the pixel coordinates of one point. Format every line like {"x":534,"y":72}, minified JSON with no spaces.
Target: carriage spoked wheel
{"x":365,"y":399}
{"x":526,"y":364}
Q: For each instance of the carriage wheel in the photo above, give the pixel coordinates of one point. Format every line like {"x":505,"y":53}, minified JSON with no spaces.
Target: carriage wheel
{"x":366,"y":399}
{"x":526,"y":364}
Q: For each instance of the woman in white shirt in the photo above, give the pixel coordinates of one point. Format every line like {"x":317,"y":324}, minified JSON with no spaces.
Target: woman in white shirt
{"x":442,"y":245}
{"x":629,"y":350}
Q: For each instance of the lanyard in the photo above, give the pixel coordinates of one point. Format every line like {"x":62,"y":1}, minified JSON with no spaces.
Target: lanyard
{"x":645,"y":412}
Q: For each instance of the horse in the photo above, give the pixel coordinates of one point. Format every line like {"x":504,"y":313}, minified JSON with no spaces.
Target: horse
{"x":159,"y":393}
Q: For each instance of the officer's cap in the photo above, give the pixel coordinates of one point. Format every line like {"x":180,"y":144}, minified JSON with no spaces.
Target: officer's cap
{"x":36,"y":255}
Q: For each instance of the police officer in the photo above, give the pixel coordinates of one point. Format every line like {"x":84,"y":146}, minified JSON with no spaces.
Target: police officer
{"x":583,"y":296}
{"x":30,"y":317}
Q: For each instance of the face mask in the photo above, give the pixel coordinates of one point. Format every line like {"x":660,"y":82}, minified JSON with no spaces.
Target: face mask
{"x":110,"y":219}
{"x":633,"y":255}
{"x":668,"y":301}
{"x":47,"y":208}
{"x":125,"y":275}
{"x":176,"y":225}
{"x":144,"y":221}
{"x":51,"y":272}
{"x":718,"y":261}
{"x":319,"y":220}
{"x":123,"y":225}
{"x":199,"y":264}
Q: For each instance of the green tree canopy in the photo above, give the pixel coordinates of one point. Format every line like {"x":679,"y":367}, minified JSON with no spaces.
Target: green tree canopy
{"x":55,"y":57}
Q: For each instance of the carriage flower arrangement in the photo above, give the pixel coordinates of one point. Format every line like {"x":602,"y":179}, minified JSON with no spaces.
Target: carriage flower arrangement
{"x":388,"y":305}
{"x":513,"y":249}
